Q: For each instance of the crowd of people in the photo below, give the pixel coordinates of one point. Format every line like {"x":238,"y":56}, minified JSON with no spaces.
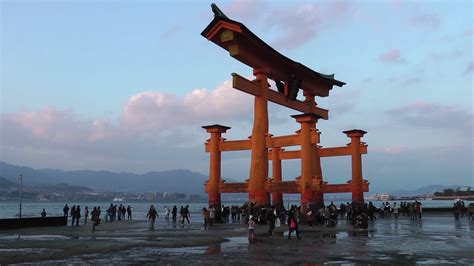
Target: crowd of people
{"x":184,"y":215}
{"x":460,"y":210}
{"x":357,"y":215}
{"x":112,"y":213}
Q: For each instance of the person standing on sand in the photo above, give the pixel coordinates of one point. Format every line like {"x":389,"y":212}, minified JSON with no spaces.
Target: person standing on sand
{"x":129,"y":212}
{"x":205,"y":215}
{"x":251,"y":232}
{"x":73,"y":214}
{"x":78,"y":214}
{"x":124,"y":210}
{"x":86,"y":214}
{"x":167,"y":213}
{"x":152,"y":214}
{"x":43,"y":213}
{"x":66,"y":210}
{"x":212,"y":215}
{"x":174,"y":213}
{"x":271,"y":220}
{"x":292,"y":224}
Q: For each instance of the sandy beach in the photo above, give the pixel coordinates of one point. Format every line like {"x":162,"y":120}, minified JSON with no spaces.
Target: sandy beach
{"x":437,"y":238}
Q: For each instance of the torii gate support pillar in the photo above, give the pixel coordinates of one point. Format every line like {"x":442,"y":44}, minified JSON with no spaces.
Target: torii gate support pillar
{"x":212,"y":185}
{"x":277,"y":197}
{"x":356,"y":159}
{"x":307,"y":122}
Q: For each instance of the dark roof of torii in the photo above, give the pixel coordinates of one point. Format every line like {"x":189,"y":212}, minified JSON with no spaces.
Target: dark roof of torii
{"x":248,"y":48}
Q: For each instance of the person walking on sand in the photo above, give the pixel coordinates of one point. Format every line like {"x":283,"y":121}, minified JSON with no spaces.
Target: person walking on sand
{"x":86,"y":214}
{"x":152,"y":214}
{"x":185,"y":215}
{"x":66,"y":210}
{"x":95,"y":218}
{"x":43,"y":213}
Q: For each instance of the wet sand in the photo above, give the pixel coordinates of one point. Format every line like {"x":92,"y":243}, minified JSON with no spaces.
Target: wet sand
{"x":435,"y":239}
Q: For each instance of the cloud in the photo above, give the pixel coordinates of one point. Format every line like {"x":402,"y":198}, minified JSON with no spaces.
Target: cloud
{"x":170,"y":32}
{"x":390,"y":56}
{"x":154,"y":111}
{"x":342,"y":102}
{"x":245,"y":9}
{"x":433,"y":115}
{"x":410,"y":81}
{"x":300,"y":24}
{"x":154,"y":130}
{"x":468,"y":32}
{"x":469,"y":69}
{"x":452,"y":55}
{"x":429,"y":21}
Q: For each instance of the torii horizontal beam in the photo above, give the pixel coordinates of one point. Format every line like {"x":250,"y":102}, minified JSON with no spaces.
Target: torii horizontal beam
{"x":247,"y":86}
{"x":323,"y":152}
{"x":271,"y":142}
{"x":287,"y":187}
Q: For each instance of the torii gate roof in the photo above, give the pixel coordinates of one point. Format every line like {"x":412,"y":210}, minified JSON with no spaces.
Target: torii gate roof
{"x":249,"y":49}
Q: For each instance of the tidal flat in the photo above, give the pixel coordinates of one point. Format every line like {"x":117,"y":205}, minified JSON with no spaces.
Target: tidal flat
{"x":435,"y":239}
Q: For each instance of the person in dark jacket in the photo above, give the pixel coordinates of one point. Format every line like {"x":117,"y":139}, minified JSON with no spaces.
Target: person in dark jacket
{"x":73,"y":214}
{"x":78,"y":214}
{"x":271,"y":220}
{"x":66,"y":210}
{"x":152,"y":214}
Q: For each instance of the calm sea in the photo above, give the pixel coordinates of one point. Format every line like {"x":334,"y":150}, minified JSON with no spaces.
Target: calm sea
{"x":10,"y":209}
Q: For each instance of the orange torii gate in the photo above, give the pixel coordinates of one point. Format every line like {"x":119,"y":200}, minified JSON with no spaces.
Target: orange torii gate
{"x":289,"y":77}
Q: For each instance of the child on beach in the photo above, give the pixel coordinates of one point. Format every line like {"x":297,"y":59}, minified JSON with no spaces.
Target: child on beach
{"x":251,"y":233}
{"x":205,"y":214}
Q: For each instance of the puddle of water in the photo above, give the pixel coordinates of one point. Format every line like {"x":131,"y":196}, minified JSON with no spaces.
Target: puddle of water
{"x":28,"y":250}
{"x":33,"y":237}
{"x":178,"y":251}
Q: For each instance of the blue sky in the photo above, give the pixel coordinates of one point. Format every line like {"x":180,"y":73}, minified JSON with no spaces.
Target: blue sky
{"x":125,"y":85}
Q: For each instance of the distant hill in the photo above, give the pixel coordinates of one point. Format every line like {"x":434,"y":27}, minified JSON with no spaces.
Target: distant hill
{"x":423,"y":190}
{"x":61,"y":188}
{"x":5,"y":183}
{"x":181,"y":181}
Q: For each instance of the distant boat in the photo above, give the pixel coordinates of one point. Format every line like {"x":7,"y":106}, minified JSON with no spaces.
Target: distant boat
{"x":117,"y":199}
{"x":384,"y":197}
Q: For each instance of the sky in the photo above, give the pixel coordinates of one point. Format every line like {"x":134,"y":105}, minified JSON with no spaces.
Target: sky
{"x":127,"y":85}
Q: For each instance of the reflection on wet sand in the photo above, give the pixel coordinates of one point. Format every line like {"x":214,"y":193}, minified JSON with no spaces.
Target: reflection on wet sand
{"x":437,"y":239}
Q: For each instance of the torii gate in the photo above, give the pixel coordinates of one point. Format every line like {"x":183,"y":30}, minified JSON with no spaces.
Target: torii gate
{"x":289,"y":77}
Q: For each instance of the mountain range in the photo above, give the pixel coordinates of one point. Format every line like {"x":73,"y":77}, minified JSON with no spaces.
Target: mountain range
{"x":181,"y":181}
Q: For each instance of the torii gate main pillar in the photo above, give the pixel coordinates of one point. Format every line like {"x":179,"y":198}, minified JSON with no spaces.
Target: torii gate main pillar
{"x":259,"y":160}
